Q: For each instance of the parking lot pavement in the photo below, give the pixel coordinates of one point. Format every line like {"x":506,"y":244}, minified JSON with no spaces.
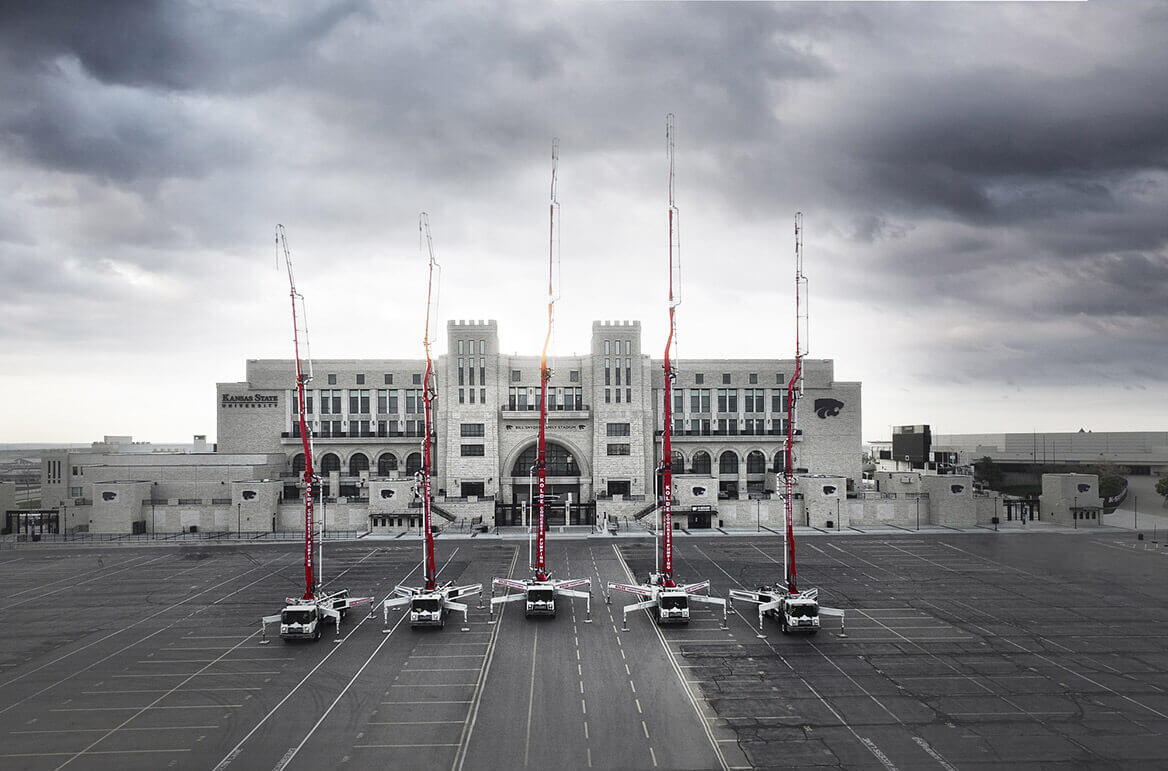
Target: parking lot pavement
{"x":1034,"y":650}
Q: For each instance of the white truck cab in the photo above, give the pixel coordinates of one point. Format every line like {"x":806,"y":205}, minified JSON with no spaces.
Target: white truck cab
{"x":300,"y":622}
{"x":540,"y":600}
{"x":427,"y":610}
{"x":672,"y":607}
{"x":798,"y":614}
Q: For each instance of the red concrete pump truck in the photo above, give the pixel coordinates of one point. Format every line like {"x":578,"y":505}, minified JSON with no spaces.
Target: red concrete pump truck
{"x":539,"y":592}
{"x":303,"y":618}
{"x":430,"y":603}
{"x":668,"y":599}
{"x":796,"y":611}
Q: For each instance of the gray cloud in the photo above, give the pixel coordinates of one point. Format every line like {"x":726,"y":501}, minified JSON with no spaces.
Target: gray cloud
{"x":990,"y":181}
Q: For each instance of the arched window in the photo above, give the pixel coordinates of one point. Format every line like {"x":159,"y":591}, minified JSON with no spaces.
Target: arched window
{"x":560,"y":462}
{"x":756,"y":463}
{"x":728,"y":463}
{"x":701,"y":462}
{"x":678,"y":463}
{"x":386,"y":464}
{"x":778,"y":467}
{"x":358,"y":463}
{"x":298,"y":465}
{"x":413,"y":463}
{"x":330,"y":462}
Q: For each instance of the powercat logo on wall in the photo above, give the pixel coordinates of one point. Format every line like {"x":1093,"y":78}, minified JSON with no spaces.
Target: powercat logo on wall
{"x":827,"y":408}
{"x":249,"y":401}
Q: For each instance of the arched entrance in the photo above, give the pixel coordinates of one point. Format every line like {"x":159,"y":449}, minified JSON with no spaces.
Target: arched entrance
{"x":562,"y":485}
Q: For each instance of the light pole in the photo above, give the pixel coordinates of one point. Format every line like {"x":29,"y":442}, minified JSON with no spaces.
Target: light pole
{"x":238,"y":520}
{"x":918,"y":511}
{"x":1075,"y":511}
{"x":758,"y":512}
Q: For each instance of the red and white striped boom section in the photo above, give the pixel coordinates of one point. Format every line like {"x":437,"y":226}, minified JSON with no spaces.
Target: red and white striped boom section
{"x":429,"y":393}
{"x":303,"y":376}
{"x":794,"y":391}
{"x":540,"y":566}
{"x":670,"y":374}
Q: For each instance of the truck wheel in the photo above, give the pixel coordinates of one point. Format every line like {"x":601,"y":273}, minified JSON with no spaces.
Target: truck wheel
{"x":316,"y":634}
{"x":786,"y":629}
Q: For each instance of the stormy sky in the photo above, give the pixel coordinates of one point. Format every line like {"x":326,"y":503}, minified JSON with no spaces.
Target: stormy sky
{"x":984,"y":190}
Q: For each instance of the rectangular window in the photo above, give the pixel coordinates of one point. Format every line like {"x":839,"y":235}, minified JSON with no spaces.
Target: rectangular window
{"x":393,"y":402}
{"x":414,"y":401}
{"x":551,"y":398}
{"x":628,"y":371}
{"x":725,"y":378}
{"x":382,"y":401}
{"x":482,"y":396}
{"x":618,"y":429}
{"x":360,"y":380}
{"x":308,"y":404}
{"x":482,"y":346}
{"x":608,"y":396}
{"x":618,"y":401}
{"x":471,"y":372}
{"x":678,"y":399}
{"x":472,"y":394}
{"x":514,"y":376}
{"x":391,"y":427}
{"x":699,"y":378}
{"x":381,"y":428}
{"x":461,"y":396}
{"x":619,"y":449}
{"x":618,"y":372}
{"x":606,"y":350}
{"x":388,"y":379}
{"x":417,"y":378}
{"x":482,"y":371}
{"x":471,"y":429}
{"x":472,"y":450}
{"x":704,"y":426}
{"x":574,"y":376}
{"x":678,"y":426}
{"x":337,"y":428}
{"x":628,"y":347}
{"x":753,"y":378}
{"x":628,"y":396}
{"x":460,"y":349}
{"x":461,"y":374}
{"x":607,"y":372}
{"x":332,"y":379}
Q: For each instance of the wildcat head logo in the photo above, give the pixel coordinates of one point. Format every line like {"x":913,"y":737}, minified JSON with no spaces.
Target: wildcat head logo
{"x":386,"y":493}
{"x":826,"y":408}
{"x":108,"y":496}
{"x":956,"y":489}
{"x":829,"y":489}
{"x":1084,"y":488}
{"x":249,"y":495}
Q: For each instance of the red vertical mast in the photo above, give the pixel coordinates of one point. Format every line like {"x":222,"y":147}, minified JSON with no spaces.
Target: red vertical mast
{"x":670,"y":375}
{"x":299,"y":321}
{"x":429,"y":393}
{"x":793,"y":385}
{"x":545,"y":374}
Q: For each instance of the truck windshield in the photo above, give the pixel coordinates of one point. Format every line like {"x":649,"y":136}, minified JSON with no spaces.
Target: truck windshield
{"x":674,"y":602}
{"x":296,"y":617}
{"x":540,"y":595}
{"x":427,"y":605}
{"x":804,"y":611}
